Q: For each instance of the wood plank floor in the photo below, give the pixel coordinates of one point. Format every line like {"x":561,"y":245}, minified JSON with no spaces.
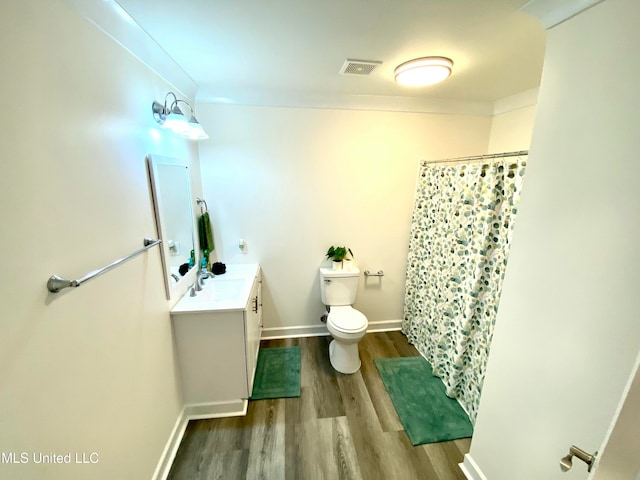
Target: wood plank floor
{"x":341,"y":427}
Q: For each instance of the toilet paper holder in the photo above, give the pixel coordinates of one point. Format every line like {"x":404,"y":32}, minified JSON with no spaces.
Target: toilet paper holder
{"x":367,"y":273}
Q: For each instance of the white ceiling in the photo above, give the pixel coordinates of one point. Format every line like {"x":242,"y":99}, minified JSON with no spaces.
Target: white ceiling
{"x":298,"y":46}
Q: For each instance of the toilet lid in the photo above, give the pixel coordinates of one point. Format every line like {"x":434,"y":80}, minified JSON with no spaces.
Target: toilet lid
{"x":347,"y":319}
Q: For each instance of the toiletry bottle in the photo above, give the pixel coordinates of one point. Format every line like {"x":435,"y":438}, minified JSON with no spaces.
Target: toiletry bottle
{"x":192,"y":259}
{"x":203,"y":264}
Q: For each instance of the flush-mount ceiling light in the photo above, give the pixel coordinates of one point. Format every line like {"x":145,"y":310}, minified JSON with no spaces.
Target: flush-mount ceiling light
{"x":423,"y":71}
{"x":170,"y":116}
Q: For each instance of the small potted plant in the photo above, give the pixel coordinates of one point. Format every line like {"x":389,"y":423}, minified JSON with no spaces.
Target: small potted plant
{"x":338,"y":254}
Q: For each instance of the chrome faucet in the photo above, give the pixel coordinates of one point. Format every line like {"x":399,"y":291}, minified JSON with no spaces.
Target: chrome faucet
{"x":202,"y":276}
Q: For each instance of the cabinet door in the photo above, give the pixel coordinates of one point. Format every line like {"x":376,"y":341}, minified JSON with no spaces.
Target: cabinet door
{"x":260,"y":302}
{"x":211,"y":356}
{"x":252,"y":329}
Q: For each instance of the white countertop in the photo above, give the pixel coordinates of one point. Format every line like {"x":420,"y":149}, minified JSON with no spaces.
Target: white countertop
{"x":229,"y":291}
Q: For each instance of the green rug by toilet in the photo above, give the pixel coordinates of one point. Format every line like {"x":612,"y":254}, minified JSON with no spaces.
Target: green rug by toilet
{"x":428,"y":415}
{"x":277,"y":373}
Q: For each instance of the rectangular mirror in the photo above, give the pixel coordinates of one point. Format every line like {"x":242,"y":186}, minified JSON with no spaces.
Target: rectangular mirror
{"x":173,"y":204}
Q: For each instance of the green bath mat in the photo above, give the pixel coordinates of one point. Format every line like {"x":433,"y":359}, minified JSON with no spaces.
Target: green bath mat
{"x":428,"y":415}
{"x":277,"y":373}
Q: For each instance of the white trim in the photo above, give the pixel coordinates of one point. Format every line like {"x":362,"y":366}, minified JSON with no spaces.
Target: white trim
{"x":194,"y":411}
{"x":634,"y":377}
{"x":344,"y":101}
{"x":171,"y":448}
{"x":294,"y":332}
{"x":300,"y":331}
{"x":553,"y":12}
{"x":471,"y":469}
{"x":230,"y":408}
{"x":116,"y":23}
{"x":384,"y":326}
{"x":514,"y":102}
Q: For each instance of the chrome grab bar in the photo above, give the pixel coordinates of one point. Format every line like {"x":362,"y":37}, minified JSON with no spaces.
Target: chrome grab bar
{"x":56,"y":283}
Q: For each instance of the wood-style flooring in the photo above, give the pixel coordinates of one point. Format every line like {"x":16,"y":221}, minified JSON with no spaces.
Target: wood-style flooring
{"x":341,"y":427}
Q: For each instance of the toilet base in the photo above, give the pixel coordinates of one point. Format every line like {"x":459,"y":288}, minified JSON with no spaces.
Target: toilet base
{"x":345,"y":358}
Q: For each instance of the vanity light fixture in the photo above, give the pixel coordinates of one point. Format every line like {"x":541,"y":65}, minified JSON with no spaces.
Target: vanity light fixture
{"x":171,"y":116}
{"x":420,"y":72}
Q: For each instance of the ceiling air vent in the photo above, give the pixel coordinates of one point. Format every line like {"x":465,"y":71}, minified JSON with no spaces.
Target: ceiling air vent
{"x":359,"y":67}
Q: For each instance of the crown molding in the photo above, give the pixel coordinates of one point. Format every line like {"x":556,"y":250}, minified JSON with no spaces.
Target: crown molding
{"x":344,"y":102}
{"x":514,"y":102}
{"x":116,"y":23}
{"x":553,"y":12}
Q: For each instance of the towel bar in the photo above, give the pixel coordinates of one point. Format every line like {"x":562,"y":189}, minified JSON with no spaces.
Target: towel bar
{"x":56,"y":283}
{"x":201,"y":201}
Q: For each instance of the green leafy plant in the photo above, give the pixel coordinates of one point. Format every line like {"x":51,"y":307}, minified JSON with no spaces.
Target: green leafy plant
{"x":338,"y":253}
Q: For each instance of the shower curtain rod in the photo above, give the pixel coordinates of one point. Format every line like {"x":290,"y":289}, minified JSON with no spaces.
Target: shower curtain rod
{"x":478,"y":157}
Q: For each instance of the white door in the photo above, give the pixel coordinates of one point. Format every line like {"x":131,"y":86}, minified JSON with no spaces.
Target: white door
{"x":568,"y":329}
{"x":620,"y":456}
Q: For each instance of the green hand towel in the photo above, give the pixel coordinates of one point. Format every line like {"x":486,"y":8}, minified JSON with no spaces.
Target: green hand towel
{"x":205,"y":233}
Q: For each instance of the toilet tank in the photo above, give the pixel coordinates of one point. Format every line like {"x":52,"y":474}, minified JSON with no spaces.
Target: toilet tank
{"x":339,"y":287}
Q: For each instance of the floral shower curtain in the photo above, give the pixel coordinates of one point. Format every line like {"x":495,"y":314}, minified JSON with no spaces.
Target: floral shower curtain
{"x":461,"y":232}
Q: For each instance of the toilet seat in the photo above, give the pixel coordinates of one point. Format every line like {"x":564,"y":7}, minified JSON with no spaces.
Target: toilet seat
{"x":347,"y":319}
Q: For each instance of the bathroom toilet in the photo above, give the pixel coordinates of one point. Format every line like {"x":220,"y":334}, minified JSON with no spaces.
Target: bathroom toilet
{"x":338,"y":290}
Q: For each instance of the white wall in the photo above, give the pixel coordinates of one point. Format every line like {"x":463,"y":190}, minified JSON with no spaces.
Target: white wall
{"x":572,"y":277}
{"x":90,"y":369}
{"x":292,"y":182}
{"x":511,"y":131}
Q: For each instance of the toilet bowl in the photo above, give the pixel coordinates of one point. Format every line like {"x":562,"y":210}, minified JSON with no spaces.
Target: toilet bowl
{"x":338,"y":291}
{"x":347,"y":326}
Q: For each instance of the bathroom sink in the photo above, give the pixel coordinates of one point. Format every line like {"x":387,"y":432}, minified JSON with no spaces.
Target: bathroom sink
{"x":224,"y":292}
{"x":221,"y":290}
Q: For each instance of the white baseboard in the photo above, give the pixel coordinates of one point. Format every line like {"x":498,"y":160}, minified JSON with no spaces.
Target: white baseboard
{"x":231,"y":408}
{"x":294,"y":332}
{"x":171,"y":448}
{"x":384,"y":326}
{"x":194,"y":411}
{"x":321,"y":330}
{"x":471,"y":469}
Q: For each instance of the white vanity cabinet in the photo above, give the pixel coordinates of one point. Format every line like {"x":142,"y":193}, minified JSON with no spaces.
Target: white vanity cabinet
{"x":217,"y":336}
{"x":253,"y":330}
